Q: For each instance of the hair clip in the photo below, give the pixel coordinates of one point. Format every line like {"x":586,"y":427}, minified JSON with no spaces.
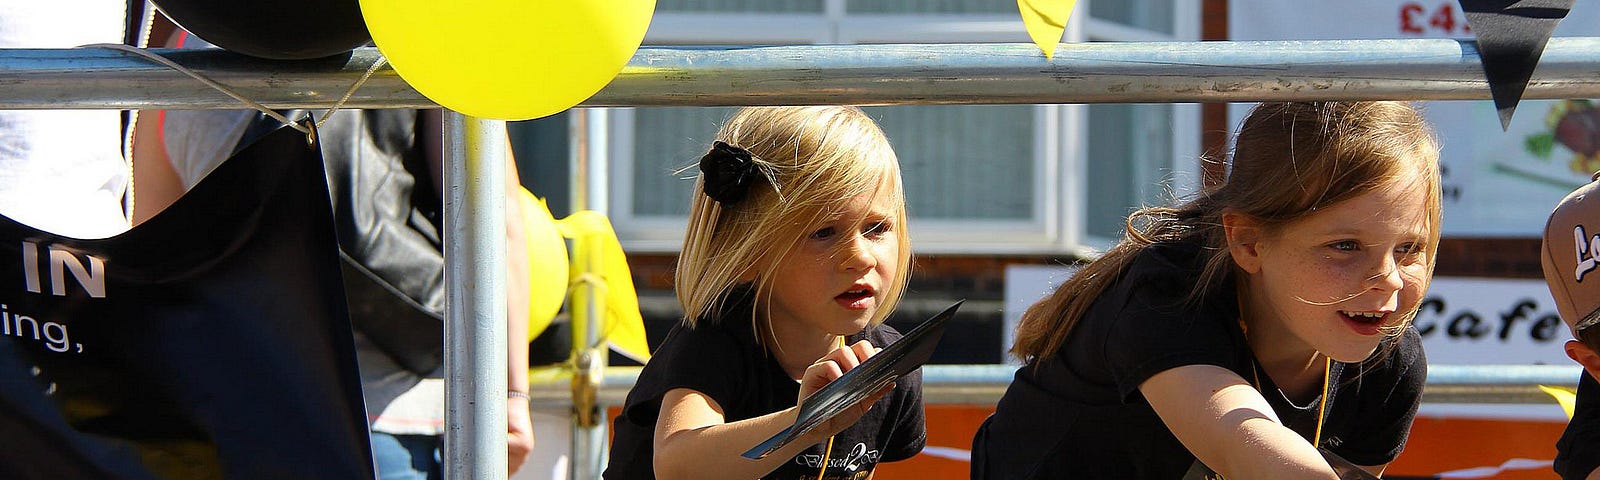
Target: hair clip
{"x":729,"y":171}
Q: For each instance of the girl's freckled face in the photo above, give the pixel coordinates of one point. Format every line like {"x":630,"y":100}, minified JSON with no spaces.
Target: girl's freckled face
{"x":1334,"y":277}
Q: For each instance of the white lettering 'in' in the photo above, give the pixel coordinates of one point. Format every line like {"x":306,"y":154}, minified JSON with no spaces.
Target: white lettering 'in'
{"x":92,"y":278}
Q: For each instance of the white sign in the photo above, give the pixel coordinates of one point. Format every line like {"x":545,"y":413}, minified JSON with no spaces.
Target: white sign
{"x":1026,"y":285}
{"x":1496,"y":183}
{"x":1465,"y":321}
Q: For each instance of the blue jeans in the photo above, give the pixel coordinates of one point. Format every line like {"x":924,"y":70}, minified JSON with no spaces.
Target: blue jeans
{"x":407,"y":457}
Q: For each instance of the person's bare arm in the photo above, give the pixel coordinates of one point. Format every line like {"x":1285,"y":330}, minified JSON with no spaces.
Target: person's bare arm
{"x":155,"y":182}
{"x":1229,"y":426}
{"x":693,"y":439}
{"x":519,"y":426}
{"x":520,"y":439}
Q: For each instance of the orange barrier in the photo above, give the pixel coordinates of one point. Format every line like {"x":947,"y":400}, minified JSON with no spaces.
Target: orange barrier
{"x":1471,"y":448}
{"x":1466,"y":447}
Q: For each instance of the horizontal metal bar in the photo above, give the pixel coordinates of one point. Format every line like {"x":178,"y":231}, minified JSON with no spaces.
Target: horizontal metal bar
{"x":1415,"y":69}
{"x":983,"y":384}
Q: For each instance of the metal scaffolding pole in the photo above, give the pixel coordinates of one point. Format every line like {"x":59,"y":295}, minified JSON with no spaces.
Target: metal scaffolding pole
{"x":475,"y":305}
{"x":1411,"y":69}
{"x":589,"y":164}
{"x":983,"y":384}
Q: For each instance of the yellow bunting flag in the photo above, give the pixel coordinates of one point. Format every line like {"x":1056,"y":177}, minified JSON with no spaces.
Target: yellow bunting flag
{"x":598,"y":261}
{"x":1567,"y":397}
{"x":1046,"y":20}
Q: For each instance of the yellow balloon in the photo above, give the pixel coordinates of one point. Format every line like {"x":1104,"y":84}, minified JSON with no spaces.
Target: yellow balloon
{"x":507,"y":59}
{"x":547,"y":263}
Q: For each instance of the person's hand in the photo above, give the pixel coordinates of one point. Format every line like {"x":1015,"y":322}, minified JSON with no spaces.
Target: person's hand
{"x":829,"y":368}
{"x":519,"y":438}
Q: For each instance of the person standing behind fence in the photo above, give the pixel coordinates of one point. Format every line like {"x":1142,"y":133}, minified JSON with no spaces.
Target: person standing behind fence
{"x":796,"y":252}
{"x":383,"y":168}
{"x":1569,"y":258}
{"x":1245,"y":329}
{"x":384,"y":171}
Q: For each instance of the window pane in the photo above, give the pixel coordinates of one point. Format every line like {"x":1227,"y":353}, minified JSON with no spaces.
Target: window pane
{"x":667,"y":140}
{"x":931,"y":6}
{"x":957,"y":161}
{"x":1147,"y":14}
{"x":726,"y":6}
{"x":964,"y":161}
{"x":1129,"y":164}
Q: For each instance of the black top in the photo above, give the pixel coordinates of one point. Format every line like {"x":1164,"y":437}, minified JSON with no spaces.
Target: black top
{"x":1578,"y":451}
{"x":723,"y":361}
{"x":1081,"y":414}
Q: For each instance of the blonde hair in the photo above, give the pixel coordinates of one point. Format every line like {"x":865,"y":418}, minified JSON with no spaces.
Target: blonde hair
{"x":815,"y":159}
{"x":1289,"y":160}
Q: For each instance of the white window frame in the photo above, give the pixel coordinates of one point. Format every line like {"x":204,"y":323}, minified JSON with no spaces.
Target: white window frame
{"x":1057,"y":225}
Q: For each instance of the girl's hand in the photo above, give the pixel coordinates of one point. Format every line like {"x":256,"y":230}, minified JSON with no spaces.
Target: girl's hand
{"x":829,"y":368}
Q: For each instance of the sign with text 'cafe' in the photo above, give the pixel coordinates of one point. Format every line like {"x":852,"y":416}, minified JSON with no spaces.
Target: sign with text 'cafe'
{"x":1476,"y":321}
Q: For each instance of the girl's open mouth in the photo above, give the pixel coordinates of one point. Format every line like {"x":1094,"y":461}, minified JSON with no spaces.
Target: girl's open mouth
{"x":1365,"y":323}
{"x":856,"y":298}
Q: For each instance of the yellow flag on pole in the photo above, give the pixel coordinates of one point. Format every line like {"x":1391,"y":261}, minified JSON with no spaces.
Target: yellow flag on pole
{"x":1046,"y":20}
{"x":1568,"y":398}
{"x":598,"y":260}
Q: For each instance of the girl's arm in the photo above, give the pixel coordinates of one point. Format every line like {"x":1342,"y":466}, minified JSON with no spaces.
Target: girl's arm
{"x":693,"y":442}
{"x":1228,"y":425}
{"x":692,"y":439}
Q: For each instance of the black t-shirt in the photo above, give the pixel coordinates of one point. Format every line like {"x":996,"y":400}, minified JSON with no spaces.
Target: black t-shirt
{"x":723,"y":361}
{"x":1081,"y":414}
{"x":1578,"y":451}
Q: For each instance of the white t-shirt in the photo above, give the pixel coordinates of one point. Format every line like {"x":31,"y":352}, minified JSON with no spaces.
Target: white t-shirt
{"x":62,"y":170}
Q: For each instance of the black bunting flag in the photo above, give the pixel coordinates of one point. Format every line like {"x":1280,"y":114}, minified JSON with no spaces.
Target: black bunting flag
{"x":211,"y":341}
{"x":1511,"y":36}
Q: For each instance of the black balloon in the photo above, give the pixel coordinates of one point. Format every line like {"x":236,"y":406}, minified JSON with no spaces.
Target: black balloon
{"x":273,"y":29}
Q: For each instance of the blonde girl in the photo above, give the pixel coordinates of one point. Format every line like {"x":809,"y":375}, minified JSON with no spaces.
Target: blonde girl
{"x":796,"y":251}
{"x":1241,"y":332}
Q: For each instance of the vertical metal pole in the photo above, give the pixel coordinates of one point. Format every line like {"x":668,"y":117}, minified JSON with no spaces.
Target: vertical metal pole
{"x":475,"y":309}
{"x":589,"y":166}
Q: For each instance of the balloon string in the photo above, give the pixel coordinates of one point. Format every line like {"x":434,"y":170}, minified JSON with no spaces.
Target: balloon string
{"x":352,"y":91}
{"x":237,"y":96}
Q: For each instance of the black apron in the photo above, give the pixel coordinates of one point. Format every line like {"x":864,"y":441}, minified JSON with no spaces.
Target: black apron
{"x":208,"y":342}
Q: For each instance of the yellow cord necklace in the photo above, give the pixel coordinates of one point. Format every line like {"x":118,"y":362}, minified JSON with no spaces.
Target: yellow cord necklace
{"x":1327,"y":378}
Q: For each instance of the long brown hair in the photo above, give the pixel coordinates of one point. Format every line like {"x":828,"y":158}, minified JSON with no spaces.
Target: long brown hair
{"x":1289,"y":160}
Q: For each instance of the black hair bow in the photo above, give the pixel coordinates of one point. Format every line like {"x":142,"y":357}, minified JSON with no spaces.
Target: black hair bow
{"x":729,"y":171}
